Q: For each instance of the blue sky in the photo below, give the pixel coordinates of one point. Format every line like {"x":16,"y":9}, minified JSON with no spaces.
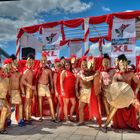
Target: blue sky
{"x":14,"y":15}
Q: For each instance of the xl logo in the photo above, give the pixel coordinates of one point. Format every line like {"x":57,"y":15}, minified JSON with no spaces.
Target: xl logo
{"x":121,"y":48}
{"x":121,"y":29}
{"x":51,"y":53}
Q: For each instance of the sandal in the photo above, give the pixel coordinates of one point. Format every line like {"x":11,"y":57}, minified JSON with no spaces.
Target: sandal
{"x":3,"y":132}
{"x":80,"y":124}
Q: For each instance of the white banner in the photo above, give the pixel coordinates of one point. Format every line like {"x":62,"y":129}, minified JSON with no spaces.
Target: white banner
{"x":123,"y":28}
{"x":76,"y":48}
{"x":123,"y":38}
{"x":51,"y":36}
{"x":29,"y":40}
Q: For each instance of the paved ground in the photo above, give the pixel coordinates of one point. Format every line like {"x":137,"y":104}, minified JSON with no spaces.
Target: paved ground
{"x":48,"y":130}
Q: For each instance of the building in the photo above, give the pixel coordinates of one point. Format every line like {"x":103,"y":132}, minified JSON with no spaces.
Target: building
{"x":3,"y":55}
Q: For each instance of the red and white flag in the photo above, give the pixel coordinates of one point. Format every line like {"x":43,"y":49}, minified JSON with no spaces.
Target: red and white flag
{"x":51,"y":36}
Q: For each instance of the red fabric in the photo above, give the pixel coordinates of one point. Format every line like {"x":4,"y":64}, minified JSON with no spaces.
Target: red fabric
{"x":60,"y":100}
{"x":125,"y":118}
{"x":30,"y":29}
{"x":137,"y":62}
{"x":62,"y":43}
{"x":97,"y":19}
{"x":7,"y":61}
{"x":21,"y":65}
{"x":56,"y":60}
{"x":127,"y":15}
{"x":69,"y":85}
{"x":94,"y":108}
{"x":98,"y":62}
{"x":73,"y":23}
{"x":50,"y":24}
{"x":44,"y":53}
{"x":96,"y":39}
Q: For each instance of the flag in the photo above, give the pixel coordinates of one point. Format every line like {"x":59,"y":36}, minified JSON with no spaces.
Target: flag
{"x":29,"y":40}
{"x":51,"y":36}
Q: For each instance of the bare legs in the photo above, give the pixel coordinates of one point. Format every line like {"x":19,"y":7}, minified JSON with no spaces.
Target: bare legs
{"x":28,"y":103}
{"x":50,"y":104}
{"x":81,"y":112}
{"x":66,"y":103}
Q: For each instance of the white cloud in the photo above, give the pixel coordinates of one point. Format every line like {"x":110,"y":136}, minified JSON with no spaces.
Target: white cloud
{"x":106,"y":9}
{"x":17,"y":14}
{"x":94,"y":49}
{"x":74,"y":6}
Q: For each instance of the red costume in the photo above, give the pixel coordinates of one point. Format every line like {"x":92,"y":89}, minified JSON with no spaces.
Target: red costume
{"x":69,"y":85}
{"x":125,"y":118}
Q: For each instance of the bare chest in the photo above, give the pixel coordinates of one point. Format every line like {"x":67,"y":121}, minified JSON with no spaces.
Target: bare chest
{"x":15,"y":77}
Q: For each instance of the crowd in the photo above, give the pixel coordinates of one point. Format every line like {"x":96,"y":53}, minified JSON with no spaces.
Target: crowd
{"x":75,"y":86}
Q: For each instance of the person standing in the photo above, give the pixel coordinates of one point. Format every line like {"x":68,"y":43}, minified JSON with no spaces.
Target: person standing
{"x":4,"y":91}
{"x":67,"y":85}
{"x":45,"y":85}
{"x":27,"y":82}
{"x":15,"y":89}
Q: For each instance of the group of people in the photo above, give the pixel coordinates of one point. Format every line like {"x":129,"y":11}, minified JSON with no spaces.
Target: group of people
{"x":79,"y":89}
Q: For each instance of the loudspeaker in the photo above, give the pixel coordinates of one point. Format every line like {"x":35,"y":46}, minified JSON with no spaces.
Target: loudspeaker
{"x":27,"y":52}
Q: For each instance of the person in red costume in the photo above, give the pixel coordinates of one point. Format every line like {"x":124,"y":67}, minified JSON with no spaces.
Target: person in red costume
{"x":95,"y":109}
{"x":4,"y":91}
{"x":126,"y":117}
{"x":28,"y":88}
{"x":84,"y":83}
{"x":56,"y":79}
{"x":67,"y":82}
{"x":106,"y":74}
{"x":15,"y":89}
{"x":45,"y":85}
